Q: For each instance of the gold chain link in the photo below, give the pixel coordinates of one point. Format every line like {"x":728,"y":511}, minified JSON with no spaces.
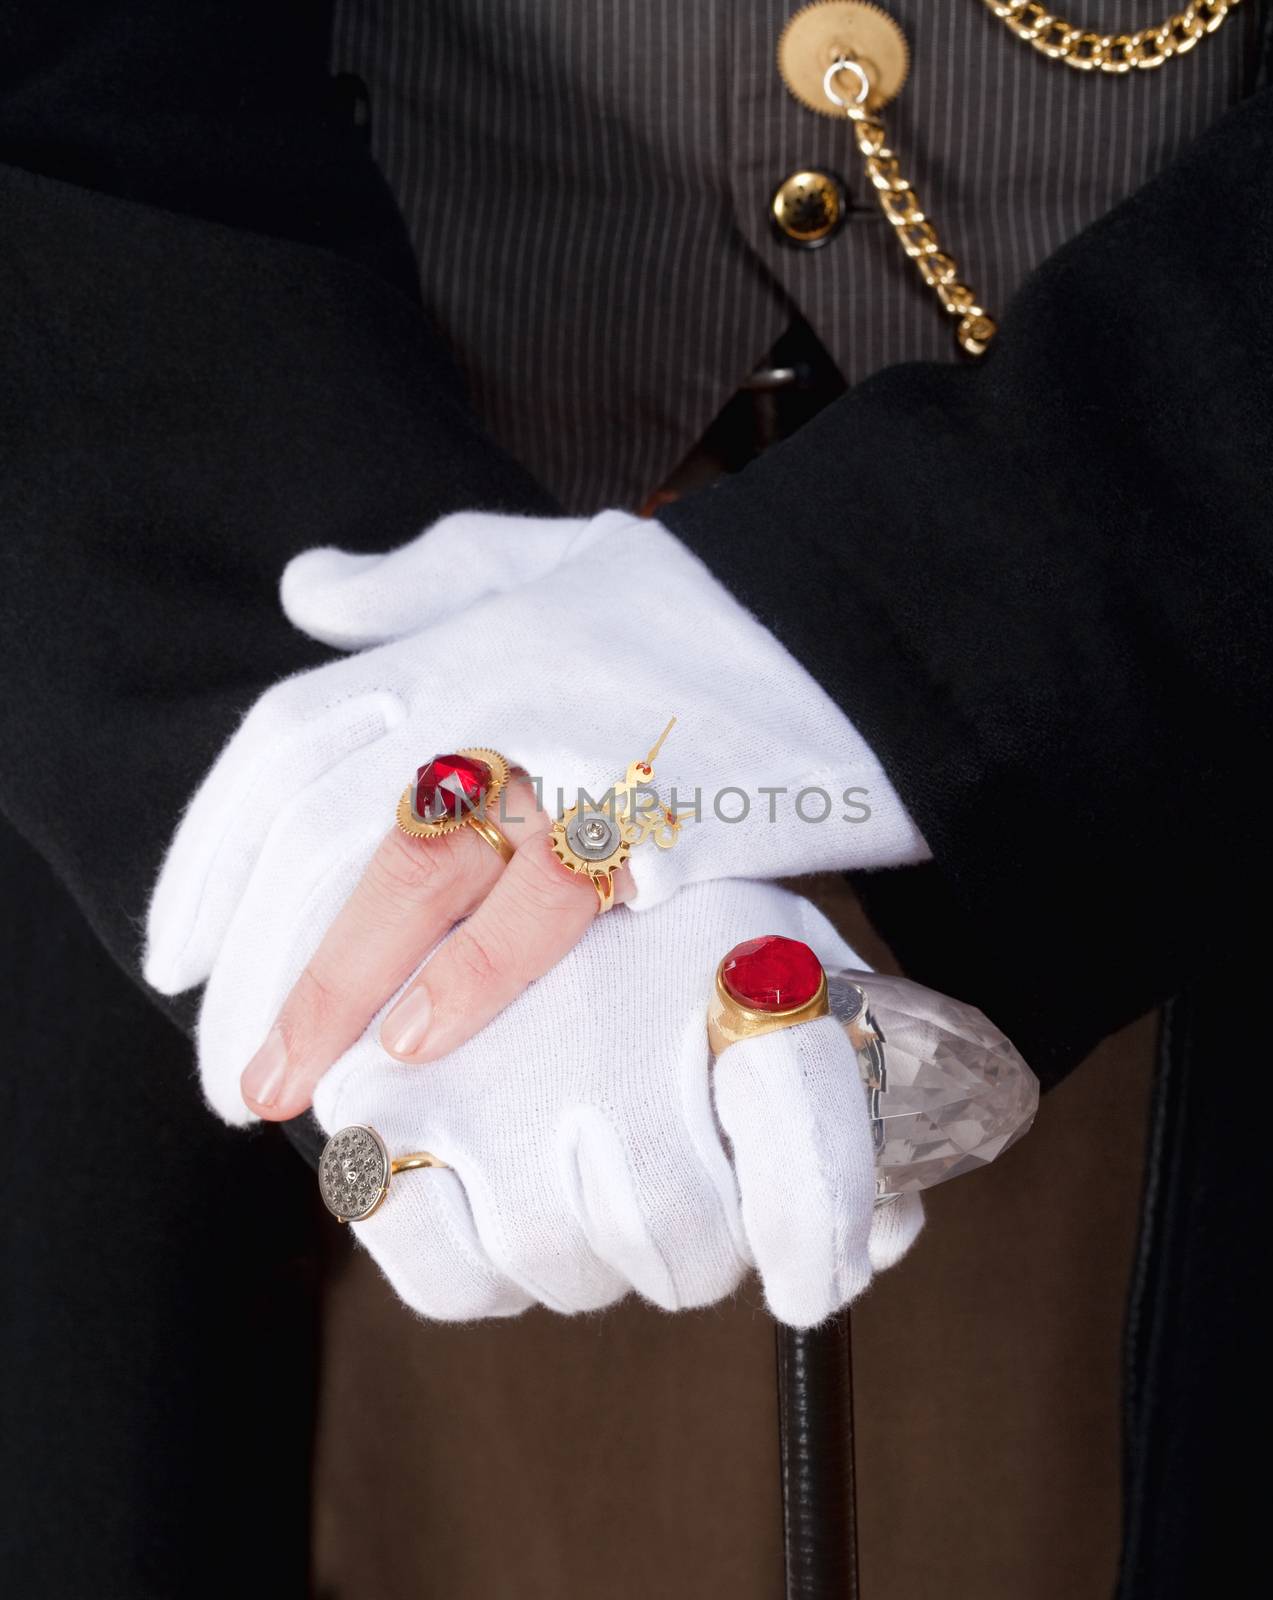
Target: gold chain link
{"x":898,"y":201}
{"x":917,"y":236}
{"x":1059,"y":40}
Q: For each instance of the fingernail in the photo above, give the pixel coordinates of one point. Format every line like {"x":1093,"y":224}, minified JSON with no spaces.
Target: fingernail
{"x":266,"y":1073}
{"x":405,"y":1029}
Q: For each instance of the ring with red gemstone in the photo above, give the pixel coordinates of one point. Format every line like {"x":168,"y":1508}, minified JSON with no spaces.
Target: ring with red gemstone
{"x":763,"y":985}
{"x":454,"y":791}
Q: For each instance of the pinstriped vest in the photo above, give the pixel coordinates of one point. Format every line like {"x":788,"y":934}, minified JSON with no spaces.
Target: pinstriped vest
{"x":587,"y":183}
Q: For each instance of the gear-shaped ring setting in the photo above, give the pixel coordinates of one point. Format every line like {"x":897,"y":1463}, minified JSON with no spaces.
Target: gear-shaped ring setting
{"x":594,"y":840}
{"x":577,"y":837}
{"x":456,"y":802}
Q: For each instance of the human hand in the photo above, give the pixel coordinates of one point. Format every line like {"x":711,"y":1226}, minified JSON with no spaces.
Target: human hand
{"x":559,"y":641}
{"x":594,"y":1148}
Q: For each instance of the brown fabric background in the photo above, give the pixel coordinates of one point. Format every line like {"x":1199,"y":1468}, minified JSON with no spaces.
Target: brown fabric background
{"x":633,"y":1453}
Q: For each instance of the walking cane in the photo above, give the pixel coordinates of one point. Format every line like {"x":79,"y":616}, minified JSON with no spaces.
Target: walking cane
{"x":946,"y":1093}
{"x":815,"y":1447}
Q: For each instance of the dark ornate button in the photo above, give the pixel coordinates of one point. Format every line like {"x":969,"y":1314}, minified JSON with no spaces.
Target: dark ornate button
{"x":809,"y":208}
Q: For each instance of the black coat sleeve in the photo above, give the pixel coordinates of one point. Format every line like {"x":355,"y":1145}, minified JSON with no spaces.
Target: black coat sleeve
{"x":1041,"y":588}
{"x":213,"y":356}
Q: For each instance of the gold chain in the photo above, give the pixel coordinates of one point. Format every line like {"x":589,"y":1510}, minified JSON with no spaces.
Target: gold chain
{"x":918,"y":237}
{"x":915,"y":233}
{"x":1111,"y":52}
{"x":1052,"y":37}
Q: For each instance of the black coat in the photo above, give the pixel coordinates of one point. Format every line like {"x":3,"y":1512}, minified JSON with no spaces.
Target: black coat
{"x":1040,"y":587}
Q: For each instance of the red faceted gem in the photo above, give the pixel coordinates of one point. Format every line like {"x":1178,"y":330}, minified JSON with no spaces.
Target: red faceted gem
{"x":772,"y":973}
{"x":448,"y":786}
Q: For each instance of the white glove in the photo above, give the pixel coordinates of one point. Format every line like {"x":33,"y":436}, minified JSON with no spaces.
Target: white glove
{"x":584,"y":1129}
{"x":573,"y":638}
{"x":567,"y":644}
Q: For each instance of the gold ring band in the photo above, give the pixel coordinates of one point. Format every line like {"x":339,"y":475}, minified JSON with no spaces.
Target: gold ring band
{"x":413,"y":1163}
{"x":503,"y":846}
{"x":730,"y":1018}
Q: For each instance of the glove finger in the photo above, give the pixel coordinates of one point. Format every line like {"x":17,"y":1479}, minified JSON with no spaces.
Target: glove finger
{"x":650,"y":1213}
{"x":279,"y":751}
{"x":424,"y":1237}
{"x":424,"y":1240}
{"x":527,"y":1229}
{"x":352,"y":601}
{"x":896,"y":1223}
{"x":294,"y":887}
{"x":791,"y":1104}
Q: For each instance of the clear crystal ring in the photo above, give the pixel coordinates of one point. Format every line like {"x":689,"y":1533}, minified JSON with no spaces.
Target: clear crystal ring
{"x":355,"y":1168}
{"x":946,"y":1091}
{"x":456,"y":791}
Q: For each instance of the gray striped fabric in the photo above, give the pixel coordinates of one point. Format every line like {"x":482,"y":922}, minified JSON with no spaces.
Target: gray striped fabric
{"x":587,"y":185}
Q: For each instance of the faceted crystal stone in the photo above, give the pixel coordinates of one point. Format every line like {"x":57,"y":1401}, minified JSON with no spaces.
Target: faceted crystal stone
{"x":772,"y":973}
{"x":448,"y":786}
{"x":946,"y":1091}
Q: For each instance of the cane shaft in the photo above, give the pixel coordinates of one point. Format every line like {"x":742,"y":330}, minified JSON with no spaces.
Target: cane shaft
{"x":815,"y":1425}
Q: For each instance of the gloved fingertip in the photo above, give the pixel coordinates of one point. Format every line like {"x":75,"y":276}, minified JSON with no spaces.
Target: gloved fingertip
{"x":167,"y":973}
{"x":222,"y":1095}
{"x":175,"y":957}
{"x":809,"y":1302}
{"x":799,"y":1310}
{"x":896,"y":1223}
{"x":314,"y":594}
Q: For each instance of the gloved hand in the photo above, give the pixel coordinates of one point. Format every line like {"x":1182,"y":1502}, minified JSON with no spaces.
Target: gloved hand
{"x":584,"y":1129}
{"x":569,"y":643}
{"x":565,"y":643}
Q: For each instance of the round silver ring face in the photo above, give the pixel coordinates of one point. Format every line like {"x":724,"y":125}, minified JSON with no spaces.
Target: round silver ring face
{"x":353,"y":1173}
{"x":592,"y":835}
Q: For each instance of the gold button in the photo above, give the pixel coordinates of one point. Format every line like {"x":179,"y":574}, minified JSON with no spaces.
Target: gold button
{"x":828,"y":30}
{"x":808,"y":208}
